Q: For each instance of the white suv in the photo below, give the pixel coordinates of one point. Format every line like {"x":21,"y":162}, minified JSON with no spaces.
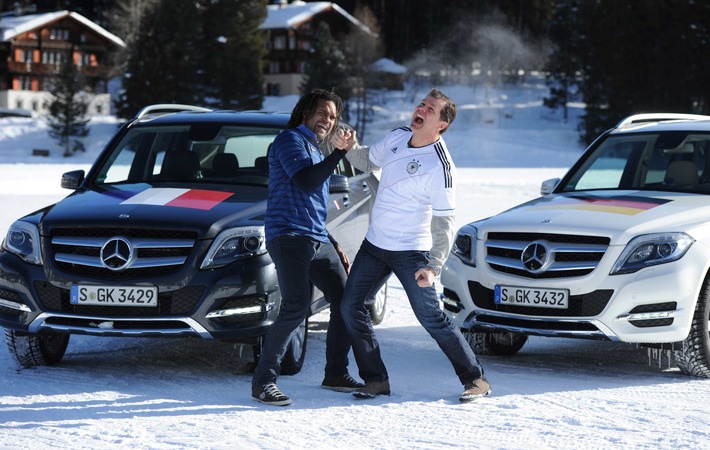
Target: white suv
{"x":618,"y":249}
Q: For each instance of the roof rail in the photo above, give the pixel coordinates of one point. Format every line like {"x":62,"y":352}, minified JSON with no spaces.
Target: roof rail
{"x":166,"y":108}
{"x":658,"y":117}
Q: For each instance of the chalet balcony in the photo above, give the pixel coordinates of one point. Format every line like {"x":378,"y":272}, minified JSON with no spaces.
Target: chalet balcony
{"x":40,"y":69}
{"x":95,"y":71}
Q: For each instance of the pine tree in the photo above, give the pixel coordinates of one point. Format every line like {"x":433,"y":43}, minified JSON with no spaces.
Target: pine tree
{"x":206,"y":52}
{"x":163,"y":65}
{"x":67,"y":109}
{"x":628,"y":56}
{"x":124,"y":18}
{"x":327,"y":69}
{"x":231,"y":60}
{"x":563,"y":66}
{"x":362,"y":49}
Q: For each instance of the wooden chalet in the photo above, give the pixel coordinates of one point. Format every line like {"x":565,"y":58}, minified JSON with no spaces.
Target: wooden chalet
{"x":32,"y":48}
{"x":291,"y":29}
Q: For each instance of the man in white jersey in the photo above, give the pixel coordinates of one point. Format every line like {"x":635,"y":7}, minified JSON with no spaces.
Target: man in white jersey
{"x":410,"y":235}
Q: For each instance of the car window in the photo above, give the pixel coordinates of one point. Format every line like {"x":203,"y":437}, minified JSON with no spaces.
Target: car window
{"x":605,"y":171}
{"x":118,"y":171}
{"x":222,"y":154}
{"x":249,"y":147}
{"x":197,"y":153}
{"x":651,"y":161}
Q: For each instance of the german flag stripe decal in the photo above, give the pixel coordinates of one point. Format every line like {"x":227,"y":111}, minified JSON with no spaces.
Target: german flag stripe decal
{"x":627,"y":205}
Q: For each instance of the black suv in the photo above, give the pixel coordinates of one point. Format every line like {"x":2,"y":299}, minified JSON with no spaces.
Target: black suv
{"x":164,"y":237}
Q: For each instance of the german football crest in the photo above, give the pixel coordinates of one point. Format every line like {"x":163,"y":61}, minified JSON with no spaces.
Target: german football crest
{"x":412,"y":167}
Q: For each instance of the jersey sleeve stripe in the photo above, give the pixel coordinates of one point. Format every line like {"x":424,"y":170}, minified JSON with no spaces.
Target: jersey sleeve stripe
{"x":446,"y":164}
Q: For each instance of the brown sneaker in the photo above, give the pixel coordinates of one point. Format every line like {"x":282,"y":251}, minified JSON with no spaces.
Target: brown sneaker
{"x":473,"y":390}
{"x":342,"y":383}
{"x":372,"y":389}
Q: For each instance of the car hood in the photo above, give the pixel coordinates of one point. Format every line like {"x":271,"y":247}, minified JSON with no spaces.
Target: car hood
{"x":620,"y":215}
{"x":206,"y":210}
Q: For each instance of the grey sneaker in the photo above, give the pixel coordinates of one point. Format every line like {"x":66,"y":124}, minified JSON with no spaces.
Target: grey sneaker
{"x":342,"y":383}
{"x":473,"y":390}
{"x":270,"y":394}
{"x":372,"y":389}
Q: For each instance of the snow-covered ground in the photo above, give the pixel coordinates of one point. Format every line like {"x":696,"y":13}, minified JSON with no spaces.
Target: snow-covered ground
{"x":173,"y":394}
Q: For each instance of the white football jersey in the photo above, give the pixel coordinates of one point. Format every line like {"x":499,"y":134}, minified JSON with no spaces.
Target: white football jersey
{"x":415,"y":183}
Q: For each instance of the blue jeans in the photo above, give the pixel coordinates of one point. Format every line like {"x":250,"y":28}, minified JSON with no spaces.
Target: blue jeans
{"x":299,"y":262}
{"x":371,"y":266}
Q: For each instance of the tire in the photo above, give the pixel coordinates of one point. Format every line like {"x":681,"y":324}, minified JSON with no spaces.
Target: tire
{"x":36,"y":350}
{"x":694,"y":357}
{"x":296,"y":351}
{"x":498,"y":343}
{"x":379,"y":304}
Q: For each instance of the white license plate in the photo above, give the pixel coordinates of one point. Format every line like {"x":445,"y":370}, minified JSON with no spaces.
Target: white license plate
{"x":537,"y":298}
{"x":113,"y":295}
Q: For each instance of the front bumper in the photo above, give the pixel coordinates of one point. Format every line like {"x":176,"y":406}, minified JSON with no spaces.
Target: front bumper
{"x":653,"y":305}
{"x":234,"y":303}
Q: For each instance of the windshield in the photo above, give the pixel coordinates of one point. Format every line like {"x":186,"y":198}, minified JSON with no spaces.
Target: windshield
{"x":202,"y":153}
{"x":199,"y":152}
{"x":673,"y":161}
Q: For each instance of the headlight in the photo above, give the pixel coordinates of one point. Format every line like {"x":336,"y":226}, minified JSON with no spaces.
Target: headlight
{"x":22,"y":239}
{"x":233,"y":244}
{"x":650,"y":250}
{"x":465,"y":244}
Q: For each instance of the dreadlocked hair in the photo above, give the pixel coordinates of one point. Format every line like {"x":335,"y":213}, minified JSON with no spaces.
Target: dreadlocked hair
{"x":306,"y":107}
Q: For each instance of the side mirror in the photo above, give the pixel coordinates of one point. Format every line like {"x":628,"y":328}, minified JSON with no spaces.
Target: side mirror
{"x":73,"y":179}
{"x":548,"y":186}
{"x":339,"y":184}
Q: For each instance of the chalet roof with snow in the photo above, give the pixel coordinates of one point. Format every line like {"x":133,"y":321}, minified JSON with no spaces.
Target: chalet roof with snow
{"x":13,"y":26}
{"x":388,"y":66}
{"x":294,"y":14}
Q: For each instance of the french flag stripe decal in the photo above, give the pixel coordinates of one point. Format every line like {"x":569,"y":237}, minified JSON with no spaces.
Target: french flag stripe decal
{"x":199,"y":199}
{"x":183,"y":198}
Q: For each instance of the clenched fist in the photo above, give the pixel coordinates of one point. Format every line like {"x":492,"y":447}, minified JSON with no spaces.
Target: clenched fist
{"x":343,"y":138}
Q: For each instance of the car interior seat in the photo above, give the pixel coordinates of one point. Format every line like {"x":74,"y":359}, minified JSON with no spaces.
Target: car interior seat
{"x":180,"y":165}
{"x":262,"y":163}
{"x":225,"y":165}
{"x":681,"y":173}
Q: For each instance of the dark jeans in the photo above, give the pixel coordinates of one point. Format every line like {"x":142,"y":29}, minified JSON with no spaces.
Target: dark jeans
{"x":299,"y":262}
{"x":371,"y":266}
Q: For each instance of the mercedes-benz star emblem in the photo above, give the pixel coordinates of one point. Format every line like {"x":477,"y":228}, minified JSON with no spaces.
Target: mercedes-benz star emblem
{"x":117,"y":253}
{"x":535,"y":257}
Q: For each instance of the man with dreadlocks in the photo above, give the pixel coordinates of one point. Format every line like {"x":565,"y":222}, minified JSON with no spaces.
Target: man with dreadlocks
{"x":300,"y":246}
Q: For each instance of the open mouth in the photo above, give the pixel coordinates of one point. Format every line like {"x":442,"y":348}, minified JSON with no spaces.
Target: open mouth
{"x":418,"y":120}
{"x":322,"y":128}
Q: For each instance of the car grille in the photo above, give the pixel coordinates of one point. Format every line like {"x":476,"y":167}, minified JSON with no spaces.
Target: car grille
{"x":567,"y":255}
{"x":585,"y":305}
{"x":172,"y":303}
{"x":153,"y":253}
